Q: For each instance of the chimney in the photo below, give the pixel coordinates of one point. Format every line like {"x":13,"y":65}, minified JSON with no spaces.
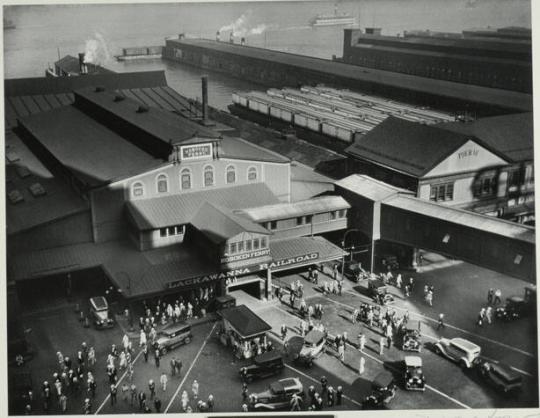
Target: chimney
{"x":218,"y":36}
{"x":231,"y":38}
{"x":243,"y":41}
{"x":82,"y":65}
{"x":204,"y":99}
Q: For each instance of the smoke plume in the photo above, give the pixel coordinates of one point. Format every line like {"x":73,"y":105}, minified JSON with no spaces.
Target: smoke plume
{"x":242,"y":26}
{"x":96,"y":50}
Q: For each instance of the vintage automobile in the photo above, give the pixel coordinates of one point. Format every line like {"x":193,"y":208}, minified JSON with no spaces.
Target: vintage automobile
{"x":383,"y":390}
{"x":458,"y":350}
{"x":379,"y":292}
{"x":410,"y":336}
{"x":313,"y":347}
{"x":99,"y":311}
{"x":278,"y":395}
{"x":354,"y":271}
{"x":518,"y":306}
{"x":499,"y":375}
{"x":172,"y":336}
{"x":264,"y":365}
{"x":414,"y":376}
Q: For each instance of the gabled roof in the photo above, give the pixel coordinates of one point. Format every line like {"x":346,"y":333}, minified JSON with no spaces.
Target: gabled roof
{"x":162,"y":124}
{"x":509,"y":136}
{"x":408,"y":147}
{"x":369,"y":187}
{"x":220,"y":224}
{"x":180,"y":209}
{"x":239,"y":149}
{"x":245,"y":321}
{"x":295,"y":209}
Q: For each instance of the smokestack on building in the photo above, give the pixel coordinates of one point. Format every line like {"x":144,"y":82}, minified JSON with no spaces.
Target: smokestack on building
{"x":205,"y":99}
{"x":242,"y":41}
{"x":82,"y":66}
{"x":218,"y":36}
{"x":231,"y":38}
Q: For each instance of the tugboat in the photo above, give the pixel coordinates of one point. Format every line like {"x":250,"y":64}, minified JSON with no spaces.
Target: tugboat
{"x":336,"y":19}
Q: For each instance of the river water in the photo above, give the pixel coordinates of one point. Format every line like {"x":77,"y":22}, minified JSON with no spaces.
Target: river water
{"x":41,"y":31}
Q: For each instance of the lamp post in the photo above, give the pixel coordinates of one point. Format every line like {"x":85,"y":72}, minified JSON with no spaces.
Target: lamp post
{"x":343,"y":245}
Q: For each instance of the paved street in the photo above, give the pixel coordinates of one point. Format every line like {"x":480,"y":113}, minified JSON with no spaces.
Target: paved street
{"x":460,"y":290}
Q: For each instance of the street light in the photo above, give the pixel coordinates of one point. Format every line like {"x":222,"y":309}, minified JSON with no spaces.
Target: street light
{"x":343,"y":245}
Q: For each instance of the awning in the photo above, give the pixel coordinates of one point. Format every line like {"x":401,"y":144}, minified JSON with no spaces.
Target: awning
{"x":302,"y":251}
{"x":244,"y":321}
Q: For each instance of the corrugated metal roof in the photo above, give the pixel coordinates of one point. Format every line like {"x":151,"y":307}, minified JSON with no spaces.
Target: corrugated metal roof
{"x":406,"y":146}
{"x":240,"y":149}
{"x":292,"y":210}
{"x":460,"y":91}
{"x":246,"y":322}
{"x":462,"y":217}
{"x":369,"y":187}
{"x":220,"y":224}
{"x":295,"y":247}
{"x":88,"y":149}
{"x":180,"y":209}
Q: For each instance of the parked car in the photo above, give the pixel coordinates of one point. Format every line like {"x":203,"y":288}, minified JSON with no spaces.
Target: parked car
{"x":458,"y":350}
{"x":99,"y":311}
{"x":313,"y":347}
{"x":414,"y":375}
{"x":278,"y":395}
{"x":267,"y":364}
{"x":499,"y":375}
{"x":379,"y":291}
{"x":383,"y":390}
{"x":518,"y":306}
{"x":173,"y":335}
{"x":410,"y":336}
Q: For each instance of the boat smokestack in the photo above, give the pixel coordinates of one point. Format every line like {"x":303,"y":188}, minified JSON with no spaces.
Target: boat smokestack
{"x":242,"y":41}
{"x":204,"y":80}
{"x":218,"y":36}
{"x":231,"y":38}
{"x":82,"y":66}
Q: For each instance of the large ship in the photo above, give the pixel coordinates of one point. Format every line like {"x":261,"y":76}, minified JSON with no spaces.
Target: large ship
{"x":336,"y":19}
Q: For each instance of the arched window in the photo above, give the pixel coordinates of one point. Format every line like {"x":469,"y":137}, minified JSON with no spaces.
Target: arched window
{"x":138,"y":189}
{"x":185,"y":179}
{"x":208,"y":176}
{"x":162,"y":184}
{"x":252,"y":173}
{"x":231,"y":174}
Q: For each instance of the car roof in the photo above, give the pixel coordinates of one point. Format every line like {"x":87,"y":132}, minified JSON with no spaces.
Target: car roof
{"x":314,"y":336}
{"x":179,"y":326}
{"x":465,"y":344}
{"x":383,"y":379}
{"x":268,"y":356}
{"x":377,"y":283}
{"x":99,"y":302}
{"x":288,"y":382}
{"x":516,"y":299}
{"x":505,"y":371}
{"x":413,"y":361}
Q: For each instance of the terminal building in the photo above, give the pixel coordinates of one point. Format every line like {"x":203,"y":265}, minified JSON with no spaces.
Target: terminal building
{"x":485,"y":166}
{"x":156,"y":204}
{"x":500,"y":59}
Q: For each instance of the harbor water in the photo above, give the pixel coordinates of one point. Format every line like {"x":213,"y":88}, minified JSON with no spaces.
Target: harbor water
{"x":43,"y":32}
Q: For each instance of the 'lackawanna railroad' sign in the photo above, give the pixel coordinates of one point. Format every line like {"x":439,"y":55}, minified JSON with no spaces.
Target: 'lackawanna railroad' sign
{"x":301,"y":259}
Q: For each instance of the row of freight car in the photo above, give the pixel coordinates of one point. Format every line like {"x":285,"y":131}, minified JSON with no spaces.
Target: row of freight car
{"x":337,"y":113}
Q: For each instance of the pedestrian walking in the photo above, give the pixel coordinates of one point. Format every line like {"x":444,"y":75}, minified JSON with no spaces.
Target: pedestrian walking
{"x":490,"y":295}
{"x":87,"y":407}
{"x":163,"y":381}
{"x":157,"y":405}
{"x":480,"y":320}
{"x":157,"y":357}
{"x":152,"y":388}
{"x":399,"y":281}
{"x":133,"y":392}
{"x":489,"y":313}
{"x":195,"y":389}
{"x":125,"y":392}
{"x":145,"y":353}
{"x":411,"y":284}
{"x":63,"y":403}
{"x":283,"y":332}
{"x":173,"y":366}
{"x":324,"y":385}
{"x":429,"y":298}
{"x":91,"y":356}
{"x":381,"y":346}
{"x":339,"y":395}
{"x":295,"y":402}
{"x":142,"y":400}
{"x":178,"y":367}
{"x":210,"y":403}
{"x":440,"y":323}
{"x":113,"y":392}
{"x":244,"y":391}
{"x":498,"y":297}
{"x":361,"y":342}
{"x":407,"y":291}
{"x":362,"y":365}
{"x":335,"y":272}
{"x":185,"y":400}
{"x":341,"y":351}
{"x":331,"y":397}
{"x":245,"y":408}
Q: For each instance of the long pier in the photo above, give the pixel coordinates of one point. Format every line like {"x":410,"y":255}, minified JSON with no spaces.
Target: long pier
{"x":279,"y":69}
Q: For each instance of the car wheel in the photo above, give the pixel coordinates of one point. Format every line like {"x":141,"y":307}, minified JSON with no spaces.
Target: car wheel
{"x":438,"y":350}
{"x":187,"y":340}
{"x":164,"y":351}
{"x":310,"y":363}
{"x":463,"y":365}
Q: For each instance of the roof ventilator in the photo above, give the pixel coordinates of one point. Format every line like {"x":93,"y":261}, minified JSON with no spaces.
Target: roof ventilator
{"x":142,"y":109}
{"x":118,"y":98}
{"x":99,"y":89}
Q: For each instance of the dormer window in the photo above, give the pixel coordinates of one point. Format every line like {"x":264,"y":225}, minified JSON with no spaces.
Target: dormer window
{"x":162,"y":183}
{"x":137,"y":189}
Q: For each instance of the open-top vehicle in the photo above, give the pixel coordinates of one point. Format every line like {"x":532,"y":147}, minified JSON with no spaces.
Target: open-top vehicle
{"x":414,"y":375}
{"x":264,"y":365}
{"x":410,"y":336}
